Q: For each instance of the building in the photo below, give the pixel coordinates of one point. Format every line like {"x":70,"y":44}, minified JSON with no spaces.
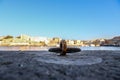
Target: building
{"x":39,"y":39}
{"x":24,"y":37}
{"x":0,"y":43}
{"x":56,"y":39}
{"x":1,"y":37}
{"x":70,"y":42}
{"x":19,"y":44}
{"x":77,"y":42}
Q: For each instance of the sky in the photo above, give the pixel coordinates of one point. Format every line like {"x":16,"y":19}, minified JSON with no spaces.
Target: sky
{"x":68,"y":19}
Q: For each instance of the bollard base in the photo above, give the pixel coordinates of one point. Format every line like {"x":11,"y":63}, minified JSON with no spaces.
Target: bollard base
{"x":69,"y":50}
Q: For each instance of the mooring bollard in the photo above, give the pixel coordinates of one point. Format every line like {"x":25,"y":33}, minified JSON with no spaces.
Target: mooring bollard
{"x":63,"y":47}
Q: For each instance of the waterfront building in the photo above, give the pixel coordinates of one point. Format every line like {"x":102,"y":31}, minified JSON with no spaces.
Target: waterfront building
{"x":39,"y":39}
{"x":24,"y":37}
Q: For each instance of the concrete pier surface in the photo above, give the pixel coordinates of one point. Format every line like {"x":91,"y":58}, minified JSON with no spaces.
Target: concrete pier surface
{"x":44,"y":65}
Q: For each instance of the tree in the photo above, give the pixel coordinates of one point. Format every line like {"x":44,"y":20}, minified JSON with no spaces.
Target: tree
{"x":8,"y":36}
{"x":18,"y":37}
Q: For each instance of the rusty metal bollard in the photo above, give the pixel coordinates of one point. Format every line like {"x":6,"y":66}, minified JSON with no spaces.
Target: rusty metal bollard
{"x":63,"y":47}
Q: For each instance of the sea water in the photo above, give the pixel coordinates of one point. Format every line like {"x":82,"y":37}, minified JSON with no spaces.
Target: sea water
{"x":100,"y":48}
{"x":29,"y":48}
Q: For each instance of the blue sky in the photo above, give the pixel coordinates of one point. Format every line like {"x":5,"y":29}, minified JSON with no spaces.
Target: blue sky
{"x":68,"y":19}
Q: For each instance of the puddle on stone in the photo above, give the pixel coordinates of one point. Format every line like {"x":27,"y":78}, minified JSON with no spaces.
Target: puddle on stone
{"x":69,"y":59}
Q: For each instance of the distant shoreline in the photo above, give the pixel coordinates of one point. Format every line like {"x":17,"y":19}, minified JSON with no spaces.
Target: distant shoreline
{"x":45,"y":48}
{"x":111,"y":45}
{"x":57,"y":46}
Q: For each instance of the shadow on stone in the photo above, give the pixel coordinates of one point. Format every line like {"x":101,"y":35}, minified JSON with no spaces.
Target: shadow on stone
{"x":69,"y":50}
{"x":6,"y":63}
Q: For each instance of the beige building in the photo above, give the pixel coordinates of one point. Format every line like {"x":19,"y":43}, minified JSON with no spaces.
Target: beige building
{"x":56,"y":39}
{"x":19,"y":41}
{"x":19,"y":44}
{"x":24,"y":37}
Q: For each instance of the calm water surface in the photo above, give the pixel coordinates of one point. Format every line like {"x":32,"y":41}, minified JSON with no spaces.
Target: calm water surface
{"x":22,"y":48}
{"x":100,"y":48}
{"x":28,"y":48}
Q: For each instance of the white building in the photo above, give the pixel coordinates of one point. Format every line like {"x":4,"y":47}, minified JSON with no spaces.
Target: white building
{"x":0,"y":42}
{"x":38,"y":39}
{"x":24,"y":37}
{"x":23,"y":43}
{"x":71,"y":42}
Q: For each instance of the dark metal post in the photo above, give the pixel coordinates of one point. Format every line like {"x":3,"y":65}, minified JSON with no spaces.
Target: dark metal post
{"x":63,"y":47}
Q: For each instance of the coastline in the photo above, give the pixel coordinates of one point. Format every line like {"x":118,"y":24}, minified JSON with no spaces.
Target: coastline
{"x":41,"y":48}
